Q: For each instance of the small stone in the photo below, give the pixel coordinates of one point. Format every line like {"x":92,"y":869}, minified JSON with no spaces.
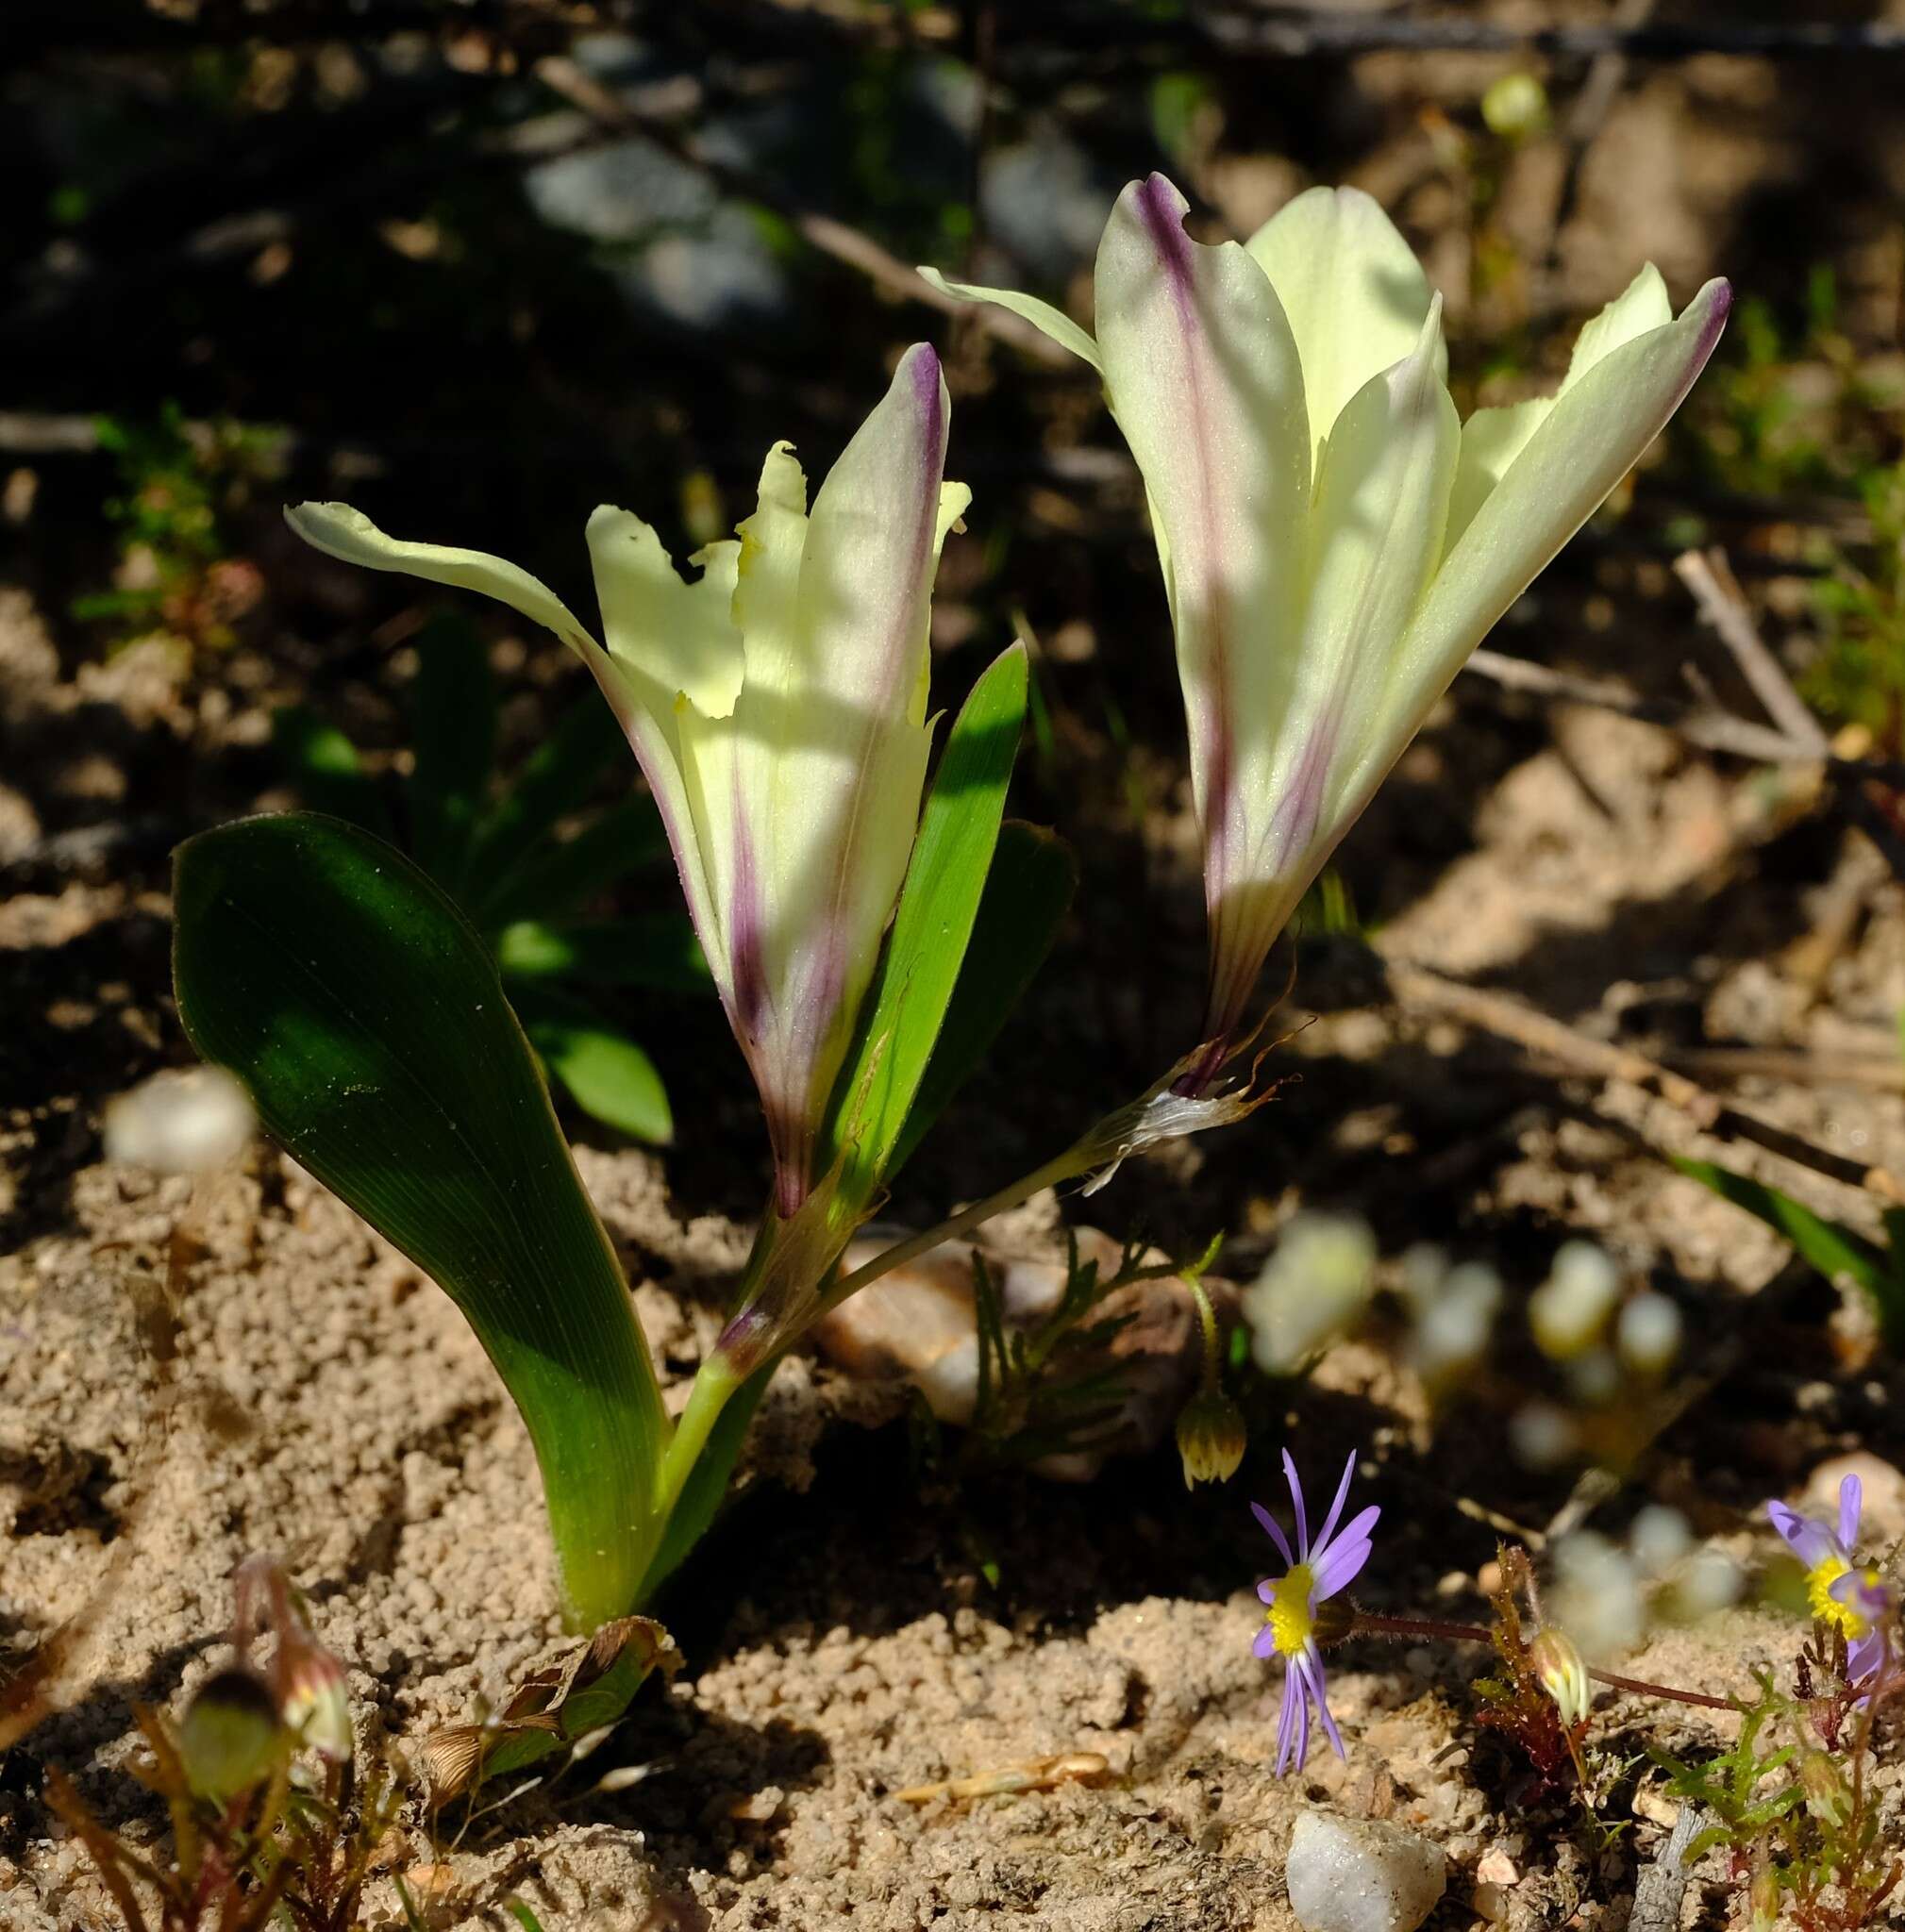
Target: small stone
{"x":1351,"y":1874}
{"x":1495,"y":1867}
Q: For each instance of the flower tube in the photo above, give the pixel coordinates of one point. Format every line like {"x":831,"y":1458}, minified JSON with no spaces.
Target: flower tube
{"x":1334,"y":541}
{"x":777,"y":705}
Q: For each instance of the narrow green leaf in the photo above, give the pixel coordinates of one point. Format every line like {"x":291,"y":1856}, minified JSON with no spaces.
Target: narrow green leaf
{"x":556,"y":778}
{"x":553,"y":879}
{"x":1027,"y":894}
{"x":455,"y":728}
{"x":656,"y":950}
{"x":706,"y":1489}
{"x":607,"y":1074}
{"x":367,"y":1019}
{"x":1832,"y":1249}
{"x":931,"y":926}
{"x":322,"y":763}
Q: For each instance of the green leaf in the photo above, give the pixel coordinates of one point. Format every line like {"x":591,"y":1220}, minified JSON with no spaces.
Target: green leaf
{"x":552,"y":879}
{"x":455,"y":728}
{"x":367,"y":1019}
{"x":556,"y":778}
{"x":706,"y":1489}
{"x":1834,"y":1250}
{"x":607,"y":1076}
{"x":656,"y":950}
{"x":322,"y":764}
{"x":933,"y":922}
{"x":1028,"y":893}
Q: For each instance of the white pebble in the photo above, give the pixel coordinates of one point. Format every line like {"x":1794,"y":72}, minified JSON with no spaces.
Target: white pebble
{"x":1314,"y":1286}
{"x":1361,"y":1875}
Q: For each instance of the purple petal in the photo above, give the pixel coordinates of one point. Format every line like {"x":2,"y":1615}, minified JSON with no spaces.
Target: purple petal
{"x":1336,"y":1507}
{"x":1266,"y":1592}
{"x":1295,"y":1681}
{"x":1269,"y":1523}
{"x":1346,"y":1557}
{"x":1264,"y":1643}
{"x":1296,"y":1497}
{"x":1812,"y":1542}
{"x":1287,"y":1719}
{"x":1864,"y":1659}
{"x":1851,"y":1501}
{"x":1319,"y":1686}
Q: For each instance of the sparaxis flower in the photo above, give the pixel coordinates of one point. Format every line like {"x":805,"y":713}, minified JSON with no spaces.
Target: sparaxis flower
{"x":1334,"y":541}
{"x":1843,"y":1594}
{"x":1293,"y":1616}
{"x":777,"y":705}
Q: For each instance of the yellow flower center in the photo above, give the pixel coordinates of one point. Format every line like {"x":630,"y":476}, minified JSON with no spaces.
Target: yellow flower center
{"x":1826,"y":1608}
{"x":1292,"y":1616}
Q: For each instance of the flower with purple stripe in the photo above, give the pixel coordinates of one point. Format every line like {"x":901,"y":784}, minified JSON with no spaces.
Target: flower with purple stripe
{"x":1841,"y":1594}
{"x":1313,"y":1575}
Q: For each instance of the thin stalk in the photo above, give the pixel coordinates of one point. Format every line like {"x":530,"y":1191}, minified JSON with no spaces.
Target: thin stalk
{"x":1207,"y":1317}
{"x":1074,"y":1161}
{"x":1476,"y":1633}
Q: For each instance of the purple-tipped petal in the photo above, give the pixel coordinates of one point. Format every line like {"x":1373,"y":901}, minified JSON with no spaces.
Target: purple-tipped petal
{"x":1864,"y":1659}
{"x":1342,"y":1563}
{"x":1812,"y":1542}
{"x":1851,"y":1503}
{"x":1297,"y":1498}
{"x":1264,"y":1644}
{"x":1341,"y":1497}
{"x":1275,"y":1535}
{"x":1266,"y":1592}
{"x":1288,"y":1715}
{"x":1311,"y":1660}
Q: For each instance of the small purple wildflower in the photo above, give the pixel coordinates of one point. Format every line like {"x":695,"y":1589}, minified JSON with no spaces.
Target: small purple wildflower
{"x":1316,"y":1573}
{"x":1840,"y":1595}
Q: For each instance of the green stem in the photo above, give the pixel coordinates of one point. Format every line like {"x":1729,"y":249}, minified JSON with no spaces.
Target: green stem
{"x":1067,"y":1166}
{"x":713,"y":1384}
{"x":1207,"y":1316}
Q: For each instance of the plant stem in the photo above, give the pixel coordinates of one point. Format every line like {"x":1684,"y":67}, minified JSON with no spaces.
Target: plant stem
{"x":714,"y":1384}
{"x":1476,"y":1633}
{"x":1207,"y":1316}
{"x":1075,"y":1161}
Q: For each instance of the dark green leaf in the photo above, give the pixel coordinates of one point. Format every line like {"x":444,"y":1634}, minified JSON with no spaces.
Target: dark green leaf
{"x":367,"y":1019}
{"x":554,"y":879}
{"x":455,"y":728}
{"x":931,"y":926}
{"x":656,"y":950}
{"x":1027,"y":894}
{"x":556,"y":778}
{"x":609,"y":1077}
{"x":1832,"y":1249}
{"x":322,"y":763}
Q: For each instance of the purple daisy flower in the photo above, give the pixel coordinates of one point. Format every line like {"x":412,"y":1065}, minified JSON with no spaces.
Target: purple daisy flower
{"x":1316,"y":1573}
{"x":1840,"y":1595}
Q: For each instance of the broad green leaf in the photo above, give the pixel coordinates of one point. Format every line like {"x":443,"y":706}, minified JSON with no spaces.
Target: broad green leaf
{"x":706,"y":1489}
{"x":931,"y":926}
{"x":1832,"y":1249}
{"x":1026,"y":896}
{"x":656,"y":950}
{"x":322,"y":764}
{"x":556,"y":778}
{"x":607,"y":1076}
{"x":366,"y":1017}
{"x":455,"y":728}
{"x":553,"y":879}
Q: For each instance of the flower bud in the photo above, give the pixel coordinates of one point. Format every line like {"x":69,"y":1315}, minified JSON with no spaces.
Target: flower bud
{"x":1563,"y":1675}
{"x":317,"y":1706}
{"x":1827,"y":1797}
{"x":230,"y":1735}
{"x":1210,"y":1438}
{"x":1570,"y":1309}
{"x":1515,"y":106}
{"x":1763,"y":1895}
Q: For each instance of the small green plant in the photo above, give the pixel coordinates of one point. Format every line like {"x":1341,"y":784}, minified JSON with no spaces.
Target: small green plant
{"x":1858,"y":675}
{"x":177,"y":482}
{"x":524,"y":863}
{"x":269,"y":1822}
